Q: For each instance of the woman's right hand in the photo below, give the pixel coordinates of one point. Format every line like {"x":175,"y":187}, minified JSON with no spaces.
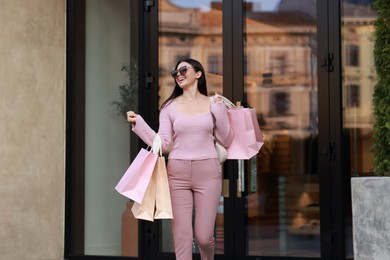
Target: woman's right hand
{"x":217,"y":98}
{"x":131,"y":116}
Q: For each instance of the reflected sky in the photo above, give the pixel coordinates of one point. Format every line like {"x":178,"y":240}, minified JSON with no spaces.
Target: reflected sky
{"x":259,"y":5}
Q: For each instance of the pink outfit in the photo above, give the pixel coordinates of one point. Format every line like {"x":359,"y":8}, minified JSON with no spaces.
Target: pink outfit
{"x":194,"y":172}
{"x":192,"y":135}
{"x":194,"y":185}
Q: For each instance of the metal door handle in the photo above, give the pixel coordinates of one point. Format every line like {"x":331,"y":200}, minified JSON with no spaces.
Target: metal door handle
{"x":241,"y":176}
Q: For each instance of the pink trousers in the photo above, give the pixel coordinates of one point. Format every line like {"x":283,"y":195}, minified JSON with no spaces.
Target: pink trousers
{"x":194,"y":185}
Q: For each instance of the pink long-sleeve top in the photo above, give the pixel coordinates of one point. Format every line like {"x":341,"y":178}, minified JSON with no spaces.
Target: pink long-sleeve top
{"x":192,"y":136}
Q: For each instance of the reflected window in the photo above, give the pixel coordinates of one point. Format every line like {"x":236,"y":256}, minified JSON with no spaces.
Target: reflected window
{"x":280,"y":104}
{"x":353,"y":95}
{"x":352,"y":55}
{"x":279,"y":65}
{"x":213,"y":63}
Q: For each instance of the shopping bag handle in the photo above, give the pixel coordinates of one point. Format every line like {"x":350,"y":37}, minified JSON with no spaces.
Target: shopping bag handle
{"x":156,"y":147}
{"x":227,"y":102}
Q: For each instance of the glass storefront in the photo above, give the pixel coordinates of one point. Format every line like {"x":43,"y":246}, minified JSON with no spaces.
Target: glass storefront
{"x":279,"y":204}
{"x":358,"y":82}
{"x":190,"y":29}
{"x":283,"y":204}
{"x":105,"y":85}
{"x":107,"y":135}
{"x":359,"y":79}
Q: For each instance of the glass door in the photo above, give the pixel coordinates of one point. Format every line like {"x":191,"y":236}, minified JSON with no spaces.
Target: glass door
{"x":282,"y":199}
{"x":263,"y":53}
{"x":190,"y":29}
{"x":358,"y":82}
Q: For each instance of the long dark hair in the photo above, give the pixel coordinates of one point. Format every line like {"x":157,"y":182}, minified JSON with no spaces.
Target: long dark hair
{"x":202,"y":85}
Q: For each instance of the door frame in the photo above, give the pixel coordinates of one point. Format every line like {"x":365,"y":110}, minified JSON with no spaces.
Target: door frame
{"x":333,"y":150}
{"x":332,"y":162}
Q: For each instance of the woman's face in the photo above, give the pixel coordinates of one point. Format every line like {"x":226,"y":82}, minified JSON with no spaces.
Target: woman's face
{"x":185,"y":75}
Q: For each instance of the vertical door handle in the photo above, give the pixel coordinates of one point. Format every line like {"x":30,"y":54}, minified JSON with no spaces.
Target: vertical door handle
{"x":241,"y":176}
{"x":225,"y":188}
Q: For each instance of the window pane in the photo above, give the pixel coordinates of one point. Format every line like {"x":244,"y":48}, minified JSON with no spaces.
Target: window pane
{"x":359,"y":79}
{"x":190,"y":29}
{"x":283,"y":205}
{"x":110,"y":75}
{"x":352,"y":55}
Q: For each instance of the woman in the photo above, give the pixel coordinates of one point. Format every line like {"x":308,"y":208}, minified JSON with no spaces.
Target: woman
{"x":192,"y":121}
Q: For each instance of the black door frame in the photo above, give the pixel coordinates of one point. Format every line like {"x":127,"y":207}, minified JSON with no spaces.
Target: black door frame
{"x":332,"y":160}
{"x":333,"y":149}
{"x":75,"y":129}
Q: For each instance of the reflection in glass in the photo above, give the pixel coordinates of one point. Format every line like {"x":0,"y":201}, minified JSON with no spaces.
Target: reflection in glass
{"x":359,"y":79}
{"x":283,"y":204}
{"x":192,"y":29}
{"x":107,"y":137}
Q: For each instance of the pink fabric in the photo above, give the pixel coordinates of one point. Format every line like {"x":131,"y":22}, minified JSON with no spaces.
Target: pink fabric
{"x":192,"y":136}
{"x":194,"y":172}
{"x":194,"y":184}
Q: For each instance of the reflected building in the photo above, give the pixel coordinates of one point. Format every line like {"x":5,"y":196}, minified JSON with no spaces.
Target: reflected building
{"x":359,"y":79}
{"x":280,"y":77}
{"x":281,"y":73}
{"x":280,"y":60}
{"x":190,"y":32}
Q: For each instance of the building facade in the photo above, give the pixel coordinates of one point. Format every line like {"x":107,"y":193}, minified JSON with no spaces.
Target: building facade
{"x":305,"y":66}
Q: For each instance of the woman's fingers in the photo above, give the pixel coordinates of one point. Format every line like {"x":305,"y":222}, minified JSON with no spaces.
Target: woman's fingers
{"x":131,"y":116}
{"x":218,"y":98}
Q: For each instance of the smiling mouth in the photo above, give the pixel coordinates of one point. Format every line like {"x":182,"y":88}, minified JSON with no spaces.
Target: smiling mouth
{"x":181,"y":79}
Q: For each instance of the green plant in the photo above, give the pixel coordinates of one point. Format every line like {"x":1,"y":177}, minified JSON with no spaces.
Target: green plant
{"x":381,"y":97}
{"x":128,"y":90}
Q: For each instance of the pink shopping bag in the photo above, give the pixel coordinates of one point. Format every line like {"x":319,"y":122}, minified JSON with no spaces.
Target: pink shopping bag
{"x":248,"y":138}
{"x":146,"y":209}
{"x":157,"y":200}
{"x":134,"y":182}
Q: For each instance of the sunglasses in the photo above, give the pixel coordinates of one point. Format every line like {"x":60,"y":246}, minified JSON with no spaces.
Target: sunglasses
{"x":182,"y":71}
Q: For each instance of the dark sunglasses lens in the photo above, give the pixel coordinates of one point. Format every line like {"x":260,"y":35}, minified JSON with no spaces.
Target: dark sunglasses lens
{"x":182,"y":71}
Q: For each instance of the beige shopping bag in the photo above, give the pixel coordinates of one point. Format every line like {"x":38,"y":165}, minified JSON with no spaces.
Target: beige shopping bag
{"x":163,"y":197}
{"x":145,"y":210}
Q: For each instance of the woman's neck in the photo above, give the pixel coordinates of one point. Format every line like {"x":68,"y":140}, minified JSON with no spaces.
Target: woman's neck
{"x":189,"y":96}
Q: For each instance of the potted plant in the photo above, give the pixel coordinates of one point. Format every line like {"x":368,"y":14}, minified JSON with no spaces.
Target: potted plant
{"x":128,"y":90}
{"x":370,"y":206}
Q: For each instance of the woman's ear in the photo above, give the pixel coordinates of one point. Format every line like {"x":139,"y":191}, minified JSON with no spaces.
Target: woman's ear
{"x":198,"y":74}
